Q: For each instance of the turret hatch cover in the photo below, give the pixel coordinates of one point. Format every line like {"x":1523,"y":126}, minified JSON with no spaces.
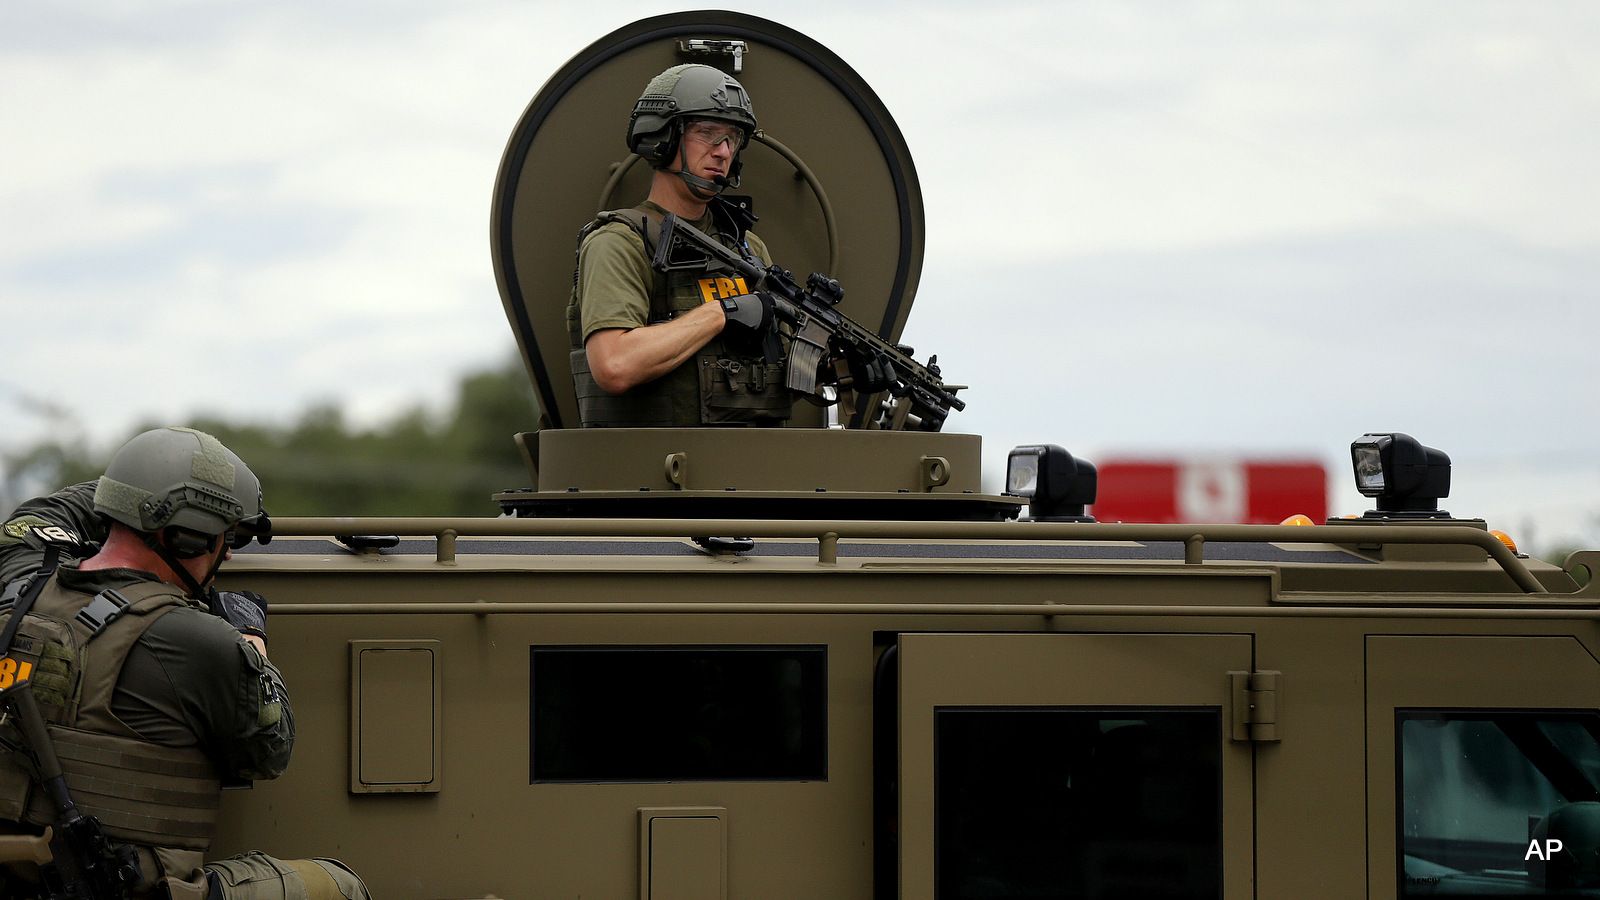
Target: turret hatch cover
{"x":833,"y":182}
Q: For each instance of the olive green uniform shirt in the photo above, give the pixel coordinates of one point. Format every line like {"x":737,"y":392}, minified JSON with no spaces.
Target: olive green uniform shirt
{"x":72,"y":508}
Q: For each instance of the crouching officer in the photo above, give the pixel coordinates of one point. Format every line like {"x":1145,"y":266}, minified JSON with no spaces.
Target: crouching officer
{"x":151,"y":689}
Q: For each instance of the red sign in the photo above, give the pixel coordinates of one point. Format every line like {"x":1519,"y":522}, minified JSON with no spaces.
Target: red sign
{"x":1252,"y":492}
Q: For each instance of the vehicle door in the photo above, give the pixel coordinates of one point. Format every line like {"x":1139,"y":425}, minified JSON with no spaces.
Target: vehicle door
{"x":1072,"y":765}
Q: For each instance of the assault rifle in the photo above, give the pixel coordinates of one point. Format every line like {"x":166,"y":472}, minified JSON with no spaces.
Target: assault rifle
{"x":77,"y":862}
{"x":827,"y":349}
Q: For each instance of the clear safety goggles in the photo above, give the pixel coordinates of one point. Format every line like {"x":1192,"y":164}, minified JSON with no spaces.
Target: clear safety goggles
{"x":713,"y":133}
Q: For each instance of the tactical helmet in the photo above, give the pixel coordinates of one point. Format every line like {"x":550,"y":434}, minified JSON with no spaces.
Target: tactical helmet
{"x":182,"y":478}
{"x":690,"y":91}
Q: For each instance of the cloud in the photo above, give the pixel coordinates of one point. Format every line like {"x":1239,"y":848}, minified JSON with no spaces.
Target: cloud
{"x":1149,"y":224}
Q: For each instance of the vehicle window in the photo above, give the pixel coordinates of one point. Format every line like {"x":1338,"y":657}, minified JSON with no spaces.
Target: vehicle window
{"x":1046,"y":802}
{"x":1499,"y":803}
{"x":679,"y":714}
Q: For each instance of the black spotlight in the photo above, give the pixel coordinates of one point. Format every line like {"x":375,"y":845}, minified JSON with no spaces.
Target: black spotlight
{"x":1057,"y":486}
{"x":1406,"y":478}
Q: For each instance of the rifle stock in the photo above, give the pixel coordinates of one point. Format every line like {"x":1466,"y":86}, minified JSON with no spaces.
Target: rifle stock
{"x":827,"y":348}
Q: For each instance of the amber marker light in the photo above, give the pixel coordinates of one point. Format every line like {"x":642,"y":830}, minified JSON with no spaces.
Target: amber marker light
{"x":1297,"y":519}
{"x":1504,"y":539}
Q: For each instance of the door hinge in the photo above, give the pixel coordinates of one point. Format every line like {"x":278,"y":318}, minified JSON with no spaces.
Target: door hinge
{"x":1255,"y":705}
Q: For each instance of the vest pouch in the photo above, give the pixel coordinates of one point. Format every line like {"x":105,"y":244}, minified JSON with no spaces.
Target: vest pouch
{"x":743,"y":392}
{"x":141,"y":792}
{"x":43,"y":652}
{"x":645,"y":406}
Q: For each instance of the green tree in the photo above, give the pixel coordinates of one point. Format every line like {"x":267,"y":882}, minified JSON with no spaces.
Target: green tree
{"x":415,"y":464}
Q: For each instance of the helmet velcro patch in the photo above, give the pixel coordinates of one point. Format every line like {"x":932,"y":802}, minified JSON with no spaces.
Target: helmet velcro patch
{"x":119,"y":497}
{"x":211,"y":461}
{"x":664,"y":83}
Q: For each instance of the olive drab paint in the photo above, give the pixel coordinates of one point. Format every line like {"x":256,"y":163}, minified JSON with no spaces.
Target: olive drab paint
{"x":805,"y":662}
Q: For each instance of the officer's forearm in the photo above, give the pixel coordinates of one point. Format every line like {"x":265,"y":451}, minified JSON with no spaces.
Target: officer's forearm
{"x":623,"y":358}
{"x":257,"y":643}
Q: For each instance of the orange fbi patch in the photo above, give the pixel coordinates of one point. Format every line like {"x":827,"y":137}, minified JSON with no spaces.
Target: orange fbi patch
{"x":720,"y":287}
{"x":12,"y":671}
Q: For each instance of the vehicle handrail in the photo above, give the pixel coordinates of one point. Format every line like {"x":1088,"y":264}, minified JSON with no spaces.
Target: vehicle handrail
{"x":1585,"y":611}
{"x":445,"y":530}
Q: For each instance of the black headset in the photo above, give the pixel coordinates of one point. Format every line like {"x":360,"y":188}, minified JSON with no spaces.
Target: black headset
{"x":186,"y":544}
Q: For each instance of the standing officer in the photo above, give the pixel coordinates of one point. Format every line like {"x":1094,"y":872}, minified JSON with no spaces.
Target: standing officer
{"x":652,"y":348}
{"x":154,"y":687}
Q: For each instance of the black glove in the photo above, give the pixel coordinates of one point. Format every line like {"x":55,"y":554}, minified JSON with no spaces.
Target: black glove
{"x":244,"y":610}
{"x":749,"y":311}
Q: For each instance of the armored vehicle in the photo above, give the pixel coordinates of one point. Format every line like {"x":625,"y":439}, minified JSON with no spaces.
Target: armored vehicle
{"x":817,"y":661}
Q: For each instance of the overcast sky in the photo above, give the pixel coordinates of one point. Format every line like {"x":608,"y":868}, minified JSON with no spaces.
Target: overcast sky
{"x":1159,"y":228}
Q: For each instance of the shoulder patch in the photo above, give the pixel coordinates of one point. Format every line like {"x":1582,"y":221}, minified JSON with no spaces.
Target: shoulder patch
{"x":19,"y":528}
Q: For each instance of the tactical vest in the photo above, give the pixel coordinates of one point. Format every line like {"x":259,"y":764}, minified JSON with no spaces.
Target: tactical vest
{"x":720,"y":385}
{"x":72,"y":647}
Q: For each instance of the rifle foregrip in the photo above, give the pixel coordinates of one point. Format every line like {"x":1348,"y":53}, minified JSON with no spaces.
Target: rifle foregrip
{"x":784,"y":310}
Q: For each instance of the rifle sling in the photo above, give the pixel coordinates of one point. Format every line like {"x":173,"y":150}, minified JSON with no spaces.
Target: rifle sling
{"x":52,"y":557}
